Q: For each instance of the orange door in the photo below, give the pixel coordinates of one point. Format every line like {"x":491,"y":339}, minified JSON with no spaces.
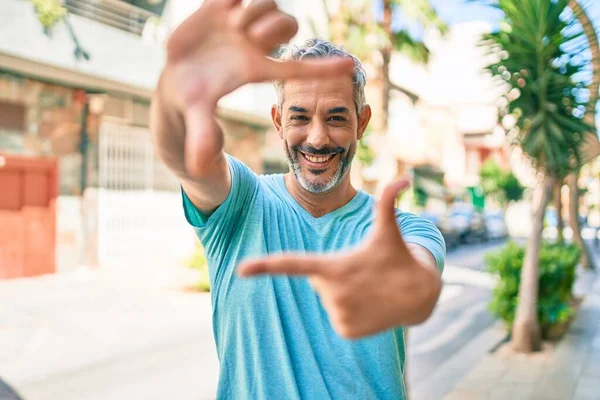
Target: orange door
{"x":28,"y":190}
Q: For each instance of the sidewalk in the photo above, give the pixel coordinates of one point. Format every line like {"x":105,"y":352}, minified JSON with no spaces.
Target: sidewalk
{"x":571,"y":370}
{"x":99,"y":335}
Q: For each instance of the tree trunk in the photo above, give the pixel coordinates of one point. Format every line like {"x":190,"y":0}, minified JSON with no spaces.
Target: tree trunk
{"x":337,"y":26}
{"x":378,"y":89}
{"x":591,"y":147}
{"x":560,"y":223}
{"x":587,"y":261}
{"x":386,"y":54}
{"x":526,"y":333}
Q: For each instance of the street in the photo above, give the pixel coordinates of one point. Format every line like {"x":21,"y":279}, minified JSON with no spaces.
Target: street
{"x":97,"y":335}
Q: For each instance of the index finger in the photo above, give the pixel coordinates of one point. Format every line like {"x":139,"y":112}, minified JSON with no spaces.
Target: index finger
{"x":303,"y":69}
{"x":295,"y":265}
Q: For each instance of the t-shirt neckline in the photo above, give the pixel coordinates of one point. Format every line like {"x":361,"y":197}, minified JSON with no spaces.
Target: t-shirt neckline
{"x":357,"y":201}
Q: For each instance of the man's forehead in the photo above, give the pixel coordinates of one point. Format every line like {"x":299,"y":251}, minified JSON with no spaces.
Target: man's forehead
{"x":338,"y":89}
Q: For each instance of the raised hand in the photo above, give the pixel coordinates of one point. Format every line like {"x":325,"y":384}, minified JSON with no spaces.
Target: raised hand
{"x":219,"y":48}
{"x":381,"y":284}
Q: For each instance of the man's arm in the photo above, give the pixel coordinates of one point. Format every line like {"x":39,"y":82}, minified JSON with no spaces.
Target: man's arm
{"x":209,"y":188}
{"x":429,"y":291}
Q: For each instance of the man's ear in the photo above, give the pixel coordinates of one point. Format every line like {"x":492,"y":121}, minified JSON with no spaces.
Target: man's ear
{"x":363,"y":120}
{"x":276,"y":117}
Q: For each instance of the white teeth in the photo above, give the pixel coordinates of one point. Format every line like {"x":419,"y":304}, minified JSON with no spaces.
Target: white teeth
{"x":318,"y":159}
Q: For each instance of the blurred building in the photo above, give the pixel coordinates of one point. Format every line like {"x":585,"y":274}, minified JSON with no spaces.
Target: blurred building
{"x":74,"y":105}
{"x":74,"y":113}
{"x":450,"y":122}
{"x":468,"y":99}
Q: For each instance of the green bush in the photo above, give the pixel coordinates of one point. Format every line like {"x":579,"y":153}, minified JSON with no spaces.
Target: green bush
{"x":557,"y":275}
{"x":198,"y":261}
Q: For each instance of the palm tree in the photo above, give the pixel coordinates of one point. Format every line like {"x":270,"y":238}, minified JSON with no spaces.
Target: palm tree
{"x":591,"y":147}
{"x":537,"y":51}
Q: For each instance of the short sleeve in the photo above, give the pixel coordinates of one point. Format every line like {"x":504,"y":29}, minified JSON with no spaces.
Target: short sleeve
{"x":420,"y":231}
{"x":216,"y":230}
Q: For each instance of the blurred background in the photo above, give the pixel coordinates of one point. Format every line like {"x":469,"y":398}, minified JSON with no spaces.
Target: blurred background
{"x":104,"y":288}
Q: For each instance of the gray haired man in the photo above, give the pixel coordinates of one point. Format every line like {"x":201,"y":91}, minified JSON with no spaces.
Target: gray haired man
{"x":312,"y":280}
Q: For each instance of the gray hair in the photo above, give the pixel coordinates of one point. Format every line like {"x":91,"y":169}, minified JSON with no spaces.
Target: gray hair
{"x":320,"y":48}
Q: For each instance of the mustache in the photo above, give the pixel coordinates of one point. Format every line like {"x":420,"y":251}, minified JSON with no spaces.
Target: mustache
{"x":323,"y":151}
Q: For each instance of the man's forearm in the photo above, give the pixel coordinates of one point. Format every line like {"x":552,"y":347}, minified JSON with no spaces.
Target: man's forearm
{"x":210,"y":187}
{"x":418,"y":300}
{"x":168,"y":136}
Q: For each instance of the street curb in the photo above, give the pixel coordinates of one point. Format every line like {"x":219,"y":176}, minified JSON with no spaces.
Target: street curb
{"x":450,"y":373}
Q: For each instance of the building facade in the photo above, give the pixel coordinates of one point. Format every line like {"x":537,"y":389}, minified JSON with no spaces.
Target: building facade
{"x":77,"y":95}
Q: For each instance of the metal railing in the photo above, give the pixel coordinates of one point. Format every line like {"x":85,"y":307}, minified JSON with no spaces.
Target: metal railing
{"x":116,"y":13}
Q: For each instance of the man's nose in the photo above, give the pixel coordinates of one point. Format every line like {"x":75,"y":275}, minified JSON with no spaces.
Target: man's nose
{"x":318,"y":136}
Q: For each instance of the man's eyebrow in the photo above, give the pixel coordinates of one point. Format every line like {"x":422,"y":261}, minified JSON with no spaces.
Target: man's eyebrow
{"x":298,"y":109}
{"x":338,"y":110}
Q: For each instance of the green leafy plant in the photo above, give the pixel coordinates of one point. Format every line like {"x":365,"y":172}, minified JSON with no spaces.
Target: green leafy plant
{"x":364,"y":153}
{"x":198,"y":261}
{"x":556,"y":278}
{"x":501,"y":183}
{"x":49,"y":12}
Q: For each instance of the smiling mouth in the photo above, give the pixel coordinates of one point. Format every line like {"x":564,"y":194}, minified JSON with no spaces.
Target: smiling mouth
{"x":318,"y":160}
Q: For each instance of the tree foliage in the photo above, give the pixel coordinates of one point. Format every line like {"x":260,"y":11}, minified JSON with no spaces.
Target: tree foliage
{"x":501,"y":183}
{"x":363,"y":32}
{"x":541,"y":66}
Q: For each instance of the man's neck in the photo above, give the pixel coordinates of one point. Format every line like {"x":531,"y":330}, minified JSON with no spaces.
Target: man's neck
{"x":323,"y":203}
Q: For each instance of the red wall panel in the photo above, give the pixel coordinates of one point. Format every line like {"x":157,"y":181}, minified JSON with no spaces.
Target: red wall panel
{"x":28,"y":189}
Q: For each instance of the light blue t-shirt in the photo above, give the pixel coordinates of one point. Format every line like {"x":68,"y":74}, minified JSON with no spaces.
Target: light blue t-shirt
{"x":274,"y":340}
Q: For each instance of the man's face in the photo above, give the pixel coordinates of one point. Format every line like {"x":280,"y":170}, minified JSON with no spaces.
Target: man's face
{"x":319,"y":125}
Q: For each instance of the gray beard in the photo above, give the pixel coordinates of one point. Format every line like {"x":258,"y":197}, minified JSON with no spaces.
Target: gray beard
{"x":319,"y":187}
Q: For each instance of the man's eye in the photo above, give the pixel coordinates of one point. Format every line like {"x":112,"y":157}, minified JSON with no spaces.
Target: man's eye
{"x":337,"y":118}
{"x":299,"y":118}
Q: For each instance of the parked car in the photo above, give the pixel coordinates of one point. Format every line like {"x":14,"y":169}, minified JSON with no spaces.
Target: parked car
{"x":468,"y":222}
{"x":496,"y":225}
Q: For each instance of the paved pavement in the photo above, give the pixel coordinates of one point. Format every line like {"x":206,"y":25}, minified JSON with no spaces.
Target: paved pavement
{"x":469,"y":332}
{"x":108,"y":335}
{"x":460,"y":324}
{"x":471,"y":256}
{"x":93,"y":336}
{"x":568,"y":370}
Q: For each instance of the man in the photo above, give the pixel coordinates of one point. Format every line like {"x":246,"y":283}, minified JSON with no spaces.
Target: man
{"x":321,"y":317}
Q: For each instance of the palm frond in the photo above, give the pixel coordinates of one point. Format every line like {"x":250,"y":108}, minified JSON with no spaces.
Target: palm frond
{"x":414,"y":49}
{"x":540,"y":59}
